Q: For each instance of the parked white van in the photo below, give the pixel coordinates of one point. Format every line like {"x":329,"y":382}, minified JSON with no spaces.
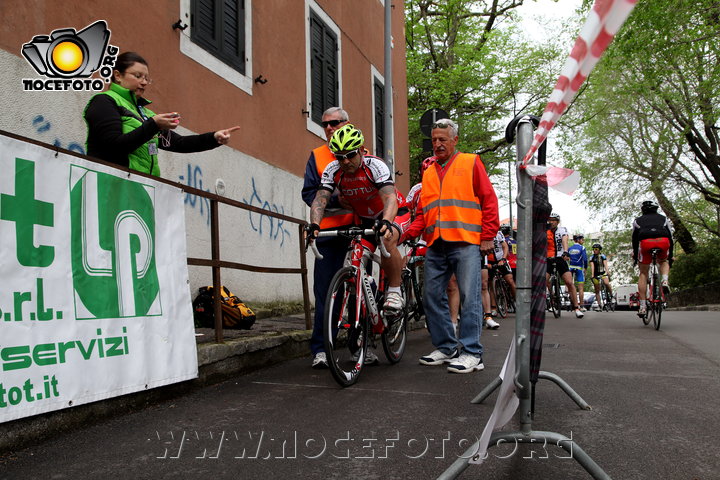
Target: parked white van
{"x":623,"y":293}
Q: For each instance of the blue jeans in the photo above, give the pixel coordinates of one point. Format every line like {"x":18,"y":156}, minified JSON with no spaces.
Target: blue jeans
{"x":441,"y":261}
{"x":333,"y":250}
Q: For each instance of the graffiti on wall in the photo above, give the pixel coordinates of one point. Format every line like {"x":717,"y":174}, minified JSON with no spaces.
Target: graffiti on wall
{"x":43,"y":126}
{"x":194,"y":179}
{"x":277,"y":230}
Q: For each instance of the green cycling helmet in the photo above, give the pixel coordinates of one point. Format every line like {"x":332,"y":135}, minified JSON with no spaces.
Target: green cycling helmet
{"x":346,"y":138}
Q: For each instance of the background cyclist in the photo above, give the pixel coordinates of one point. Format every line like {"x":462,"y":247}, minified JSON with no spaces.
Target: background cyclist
{"x":557,"y":245}
{"x":512,"y":247}
{"x":599,"y":271}
{"x":498,"y":259}
{"x":578,"y":265}
{"x":651,"y":230}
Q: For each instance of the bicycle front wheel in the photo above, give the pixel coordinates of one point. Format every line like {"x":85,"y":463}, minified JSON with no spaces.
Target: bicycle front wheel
{"x":555,"y":297}
{"x":500,"y":297}
{"x":345,"y":338}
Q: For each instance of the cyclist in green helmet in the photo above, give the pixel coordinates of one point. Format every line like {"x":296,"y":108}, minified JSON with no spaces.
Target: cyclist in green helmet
{"x":366,"y":186}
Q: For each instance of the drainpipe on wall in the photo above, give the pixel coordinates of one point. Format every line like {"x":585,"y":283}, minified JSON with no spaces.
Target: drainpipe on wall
{"x":388,"y":91}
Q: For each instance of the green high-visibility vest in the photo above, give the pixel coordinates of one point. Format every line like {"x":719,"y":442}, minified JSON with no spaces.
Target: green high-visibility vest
{"x":140,"y":159}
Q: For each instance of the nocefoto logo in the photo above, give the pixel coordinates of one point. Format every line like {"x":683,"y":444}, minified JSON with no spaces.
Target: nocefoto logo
{"x":68,"y":58}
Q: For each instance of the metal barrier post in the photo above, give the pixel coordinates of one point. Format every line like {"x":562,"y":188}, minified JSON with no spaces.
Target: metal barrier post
{"x":523,"y":386}
{"x":304,"y":276}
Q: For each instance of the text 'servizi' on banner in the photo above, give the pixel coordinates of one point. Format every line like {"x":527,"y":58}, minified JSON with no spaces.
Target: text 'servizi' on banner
{"x":94,"y":298}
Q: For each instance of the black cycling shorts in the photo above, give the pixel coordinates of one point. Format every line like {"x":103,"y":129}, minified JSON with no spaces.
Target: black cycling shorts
{"x":559,"y":263}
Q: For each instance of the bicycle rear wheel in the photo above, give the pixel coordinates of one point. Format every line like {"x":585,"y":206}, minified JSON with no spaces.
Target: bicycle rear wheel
{"x":417,"y":282}
{"x":657,"y":302}
{"x":345,"y":342}
{"x":555,"y":305}
{"x":394,"y":335}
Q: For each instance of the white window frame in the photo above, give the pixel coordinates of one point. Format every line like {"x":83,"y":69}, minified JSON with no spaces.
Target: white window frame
{"x":212,"y":63}
{"x":311,"y":5}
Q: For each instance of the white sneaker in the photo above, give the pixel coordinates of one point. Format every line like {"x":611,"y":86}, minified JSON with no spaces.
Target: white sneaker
{"x":665,"y":286}
{"x":370,"y":357}
{"x":437,"y":358}
{"x":491,"y":324}
{"x":642,"y":311}
{"x":466,"y":364}
{"x":579,"y":313}
{"x":320,"y":360}
{"x":394,"y":303}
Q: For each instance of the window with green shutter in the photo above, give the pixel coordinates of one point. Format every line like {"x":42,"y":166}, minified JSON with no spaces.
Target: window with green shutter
{"x":218,"y":26}
{"x":323,"y":67}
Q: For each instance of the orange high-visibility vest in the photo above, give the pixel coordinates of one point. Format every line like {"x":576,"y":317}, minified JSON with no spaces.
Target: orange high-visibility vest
{"x":333,"y":217}
{"x":451,"y":209}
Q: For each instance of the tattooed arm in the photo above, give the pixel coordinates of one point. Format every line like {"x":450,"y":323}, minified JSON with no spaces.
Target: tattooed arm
{"x":317,"y":209}
{"x":390,"y":203}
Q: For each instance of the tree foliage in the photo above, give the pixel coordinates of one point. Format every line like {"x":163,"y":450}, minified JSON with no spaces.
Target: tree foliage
{"x":648,"y":119}
{"x":468,"y":57}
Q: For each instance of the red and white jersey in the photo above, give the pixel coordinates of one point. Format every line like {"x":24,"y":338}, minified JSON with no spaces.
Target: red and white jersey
{"x":413,"y":197}
{"x":361,"y":189}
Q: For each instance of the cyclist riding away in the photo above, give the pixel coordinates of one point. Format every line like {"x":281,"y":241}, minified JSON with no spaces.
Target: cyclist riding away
{"x":599,"y":272}
{"x":651,"y":230}
{"x":578,"y":265}
{"x":557,"y":245}
{"x":365,"y":186}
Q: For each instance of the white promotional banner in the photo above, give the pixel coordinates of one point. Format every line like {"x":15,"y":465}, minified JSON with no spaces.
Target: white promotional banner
{"x":94,"y":298}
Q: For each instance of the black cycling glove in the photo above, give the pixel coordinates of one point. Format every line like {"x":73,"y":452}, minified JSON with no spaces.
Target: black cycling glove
{"x":311,"y":232}
{"x":380,"y":223}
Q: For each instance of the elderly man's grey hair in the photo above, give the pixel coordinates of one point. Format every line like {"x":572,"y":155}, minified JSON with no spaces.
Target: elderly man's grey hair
{"x":343,"y":114}
{"x":445,"y":123}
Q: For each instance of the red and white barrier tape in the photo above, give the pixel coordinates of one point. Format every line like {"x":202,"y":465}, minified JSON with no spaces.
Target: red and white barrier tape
{"x":604,"y":21}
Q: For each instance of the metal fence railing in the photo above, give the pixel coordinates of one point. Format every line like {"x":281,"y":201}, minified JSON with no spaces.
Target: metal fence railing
{"x":215,"y":261}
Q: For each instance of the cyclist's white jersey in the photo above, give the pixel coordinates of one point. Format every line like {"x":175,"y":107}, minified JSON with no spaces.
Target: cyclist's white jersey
{"x":560,"y":232}
{"x":497,"y":246}
{"x":497,"y":253}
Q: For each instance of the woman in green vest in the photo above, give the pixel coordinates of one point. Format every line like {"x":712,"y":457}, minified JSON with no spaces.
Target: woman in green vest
{"x":123,"y":131}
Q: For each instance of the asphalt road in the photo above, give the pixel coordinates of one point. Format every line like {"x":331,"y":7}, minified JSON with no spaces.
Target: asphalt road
{"x":654,"y":397}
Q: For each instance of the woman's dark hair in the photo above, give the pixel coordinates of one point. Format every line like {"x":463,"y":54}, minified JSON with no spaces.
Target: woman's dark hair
{"x":126,"y":60}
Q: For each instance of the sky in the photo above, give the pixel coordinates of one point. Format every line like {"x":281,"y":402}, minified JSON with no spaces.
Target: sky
{"x":538,"y":18}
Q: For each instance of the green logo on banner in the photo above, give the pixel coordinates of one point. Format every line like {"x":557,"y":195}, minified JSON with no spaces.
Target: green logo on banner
{"x":113,"y":246}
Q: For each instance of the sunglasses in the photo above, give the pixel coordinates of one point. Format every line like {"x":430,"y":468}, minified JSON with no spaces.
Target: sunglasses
{"x":440,"y":125}
{"x":332,"y":123}
{"x":347,"y":156}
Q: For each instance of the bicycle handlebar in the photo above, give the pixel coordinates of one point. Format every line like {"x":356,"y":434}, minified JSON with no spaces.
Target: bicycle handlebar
{"x":349,"y":232}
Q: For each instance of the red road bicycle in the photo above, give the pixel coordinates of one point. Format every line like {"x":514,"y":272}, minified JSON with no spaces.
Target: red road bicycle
{"x":353,"y":318}
{"x":656,"y":299}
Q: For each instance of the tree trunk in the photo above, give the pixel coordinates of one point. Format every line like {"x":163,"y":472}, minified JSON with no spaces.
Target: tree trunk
{"x":681,"y":235}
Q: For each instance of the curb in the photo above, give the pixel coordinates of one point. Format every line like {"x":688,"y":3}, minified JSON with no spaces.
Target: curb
{"x":216,"y":363}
